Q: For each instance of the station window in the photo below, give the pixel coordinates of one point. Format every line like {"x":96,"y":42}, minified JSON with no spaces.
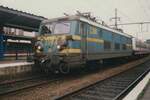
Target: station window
{"x":117,"y":46}
{"x":107,"y":45}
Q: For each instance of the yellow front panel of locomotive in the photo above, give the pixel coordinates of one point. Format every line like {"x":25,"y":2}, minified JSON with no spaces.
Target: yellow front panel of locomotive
{"x":51,"y":38}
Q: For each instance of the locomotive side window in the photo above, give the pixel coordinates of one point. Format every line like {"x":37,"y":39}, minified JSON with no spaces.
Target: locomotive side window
{"x":92,"y":30}
{"x":124,"y":47}
{"x":100,"y":32}
{"x":117,"y":46}
{"x":107,"y":45}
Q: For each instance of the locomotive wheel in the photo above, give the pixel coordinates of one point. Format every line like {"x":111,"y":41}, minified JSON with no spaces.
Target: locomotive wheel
{"x":46,"y":67}
{"x":64,"y":68}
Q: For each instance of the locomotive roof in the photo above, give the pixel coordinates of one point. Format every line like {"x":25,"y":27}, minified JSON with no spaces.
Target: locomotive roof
{"x":81,"y":18}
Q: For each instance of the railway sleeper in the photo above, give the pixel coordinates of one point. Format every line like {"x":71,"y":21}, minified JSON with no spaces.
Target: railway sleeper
{"x":86,"y":97}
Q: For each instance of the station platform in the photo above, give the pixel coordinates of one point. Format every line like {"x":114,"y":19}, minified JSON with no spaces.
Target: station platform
{"x":15,"y":67}
{"x":146,"y":92}
{"x":141,"y":91}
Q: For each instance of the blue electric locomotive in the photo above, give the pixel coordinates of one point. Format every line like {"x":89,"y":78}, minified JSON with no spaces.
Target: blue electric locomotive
{"x":70,"y":41}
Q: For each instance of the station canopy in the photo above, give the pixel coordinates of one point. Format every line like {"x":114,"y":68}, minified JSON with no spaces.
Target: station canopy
{"x":18,"y":19}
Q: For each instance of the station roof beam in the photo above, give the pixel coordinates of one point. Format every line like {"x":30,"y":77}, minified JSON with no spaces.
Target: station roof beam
{"x":18,"y":19}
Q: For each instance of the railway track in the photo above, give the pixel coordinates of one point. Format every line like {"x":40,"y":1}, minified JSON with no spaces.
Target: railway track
{"x":11,"y":81}
{"x":108,"y":85}
{"x":16,"y":85}
{"x":27,"y":83}
{"x":113,"y":88}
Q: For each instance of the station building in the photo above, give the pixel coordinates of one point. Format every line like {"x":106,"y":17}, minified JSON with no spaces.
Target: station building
{"x":17,"y":30}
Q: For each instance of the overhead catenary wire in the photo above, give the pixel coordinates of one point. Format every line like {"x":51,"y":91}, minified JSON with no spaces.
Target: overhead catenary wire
{"x":125,"y":16}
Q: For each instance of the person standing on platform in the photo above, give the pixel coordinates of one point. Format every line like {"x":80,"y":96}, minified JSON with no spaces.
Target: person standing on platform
{"x":1,"y":42}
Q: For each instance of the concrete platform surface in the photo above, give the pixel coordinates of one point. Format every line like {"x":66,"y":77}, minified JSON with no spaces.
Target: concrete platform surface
{"x":146,"y":95}
{"x":11,"y":64}
{"x":15,"y":67}
{"x":137,"y":91}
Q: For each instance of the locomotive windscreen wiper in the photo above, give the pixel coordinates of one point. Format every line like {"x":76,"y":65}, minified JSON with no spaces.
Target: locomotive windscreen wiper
{"x":45,"y":29}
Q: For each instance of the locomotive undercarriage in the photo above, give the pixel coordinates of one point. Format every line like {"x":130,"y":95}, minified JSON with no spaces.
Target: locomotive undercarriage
{"x":58,"y":63}
{"x":64,"y":63}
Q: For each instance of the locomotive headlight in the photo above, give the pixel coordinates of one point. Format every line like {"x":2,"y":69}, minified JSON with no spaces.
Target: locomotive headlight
{"x":39,"y":47}
{"x":58,"y":47}
{"x":61,"y":44}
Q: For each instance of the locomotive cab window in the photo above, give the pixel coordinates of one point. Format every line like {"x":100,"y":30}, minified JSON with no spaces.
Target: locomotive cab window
{"x":46,"y":29}
{"x":56,"y":28}
{"x":62,"y":27}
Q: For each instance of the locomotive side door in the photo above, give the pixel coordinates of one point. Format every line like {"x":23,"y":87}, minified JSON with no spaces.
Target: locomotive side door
{"x":83,"y":33}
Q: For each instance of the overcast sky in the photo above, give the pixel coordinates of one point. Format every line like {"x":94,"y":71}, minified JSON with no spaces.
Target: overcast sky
{"x":128,"y":10}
